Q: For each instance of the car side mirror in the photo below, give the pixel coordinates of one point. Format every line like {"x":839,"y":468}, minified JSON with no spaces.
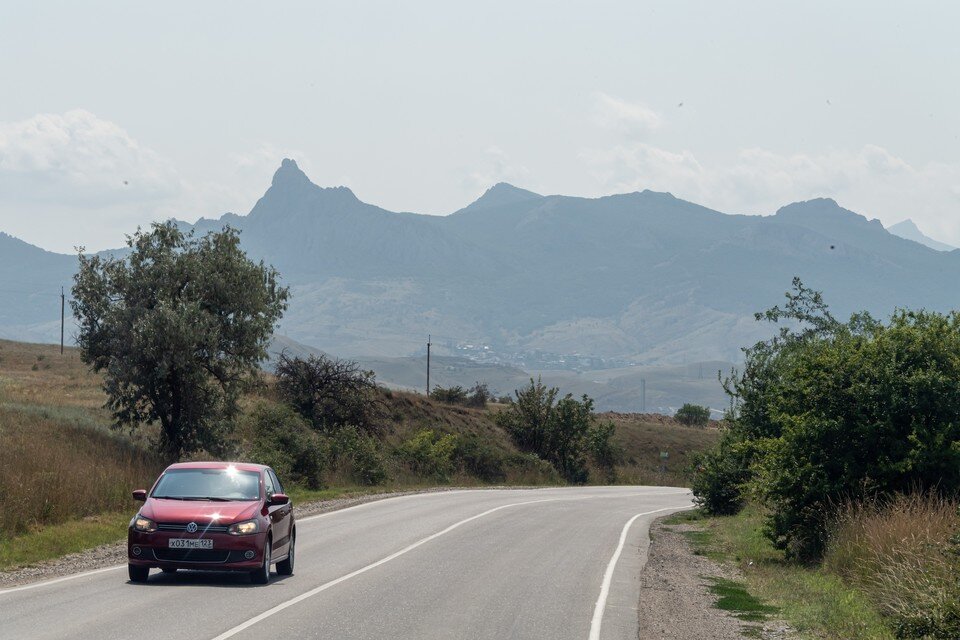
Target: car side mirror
{"x":140,"y":494}
{"x":279,"y":498}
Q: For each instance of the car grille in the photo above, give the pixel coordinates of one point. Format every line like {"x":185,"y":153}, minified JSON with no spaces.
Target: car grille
{"x":191,"y":555}
{"x":169,"y":526}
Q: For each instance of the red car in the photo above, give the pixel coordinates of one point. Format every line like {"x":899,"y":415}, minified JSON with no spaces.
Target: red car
{"x":222,"y":516}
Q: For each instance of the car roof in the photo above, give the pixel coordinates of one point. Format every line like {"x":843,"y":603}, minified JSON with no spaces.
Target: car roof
{"x":214,"y":464}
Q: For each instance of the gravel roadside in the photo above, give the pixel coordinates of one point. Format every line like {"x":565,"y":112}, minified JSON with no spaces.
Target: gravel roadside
{"x":116,"y":553}
{"x":675,"y":602}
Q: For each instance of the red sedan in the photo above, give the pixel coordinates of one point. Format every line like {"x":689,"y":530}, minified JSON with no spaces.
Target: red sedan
{"x":213,"y":515}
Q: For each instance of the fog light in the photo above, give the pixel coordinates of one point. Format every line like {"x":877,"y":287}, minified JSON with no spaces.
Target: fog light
{"x":249,"y":554}
{"x":136,"y":550}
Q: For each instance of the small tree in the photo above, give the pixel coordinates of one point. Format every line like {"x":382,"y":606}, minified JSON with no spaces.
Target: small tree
{"x":178,"y":327}
{"x":554,"y":430}
{"x":329,"y":392}
{"x":693,"y":415}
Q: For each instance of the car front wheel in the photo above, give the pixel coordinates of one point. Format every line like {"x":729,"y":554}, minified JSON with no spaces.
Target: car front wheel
{"x":285,"y":568}
{"x":262,"y":575}
{"x":137,"y":573}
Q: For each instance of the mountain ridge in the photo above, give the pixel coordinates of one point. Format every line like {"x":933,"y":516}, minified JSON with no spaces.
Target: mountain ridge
{"x":641,"y":277}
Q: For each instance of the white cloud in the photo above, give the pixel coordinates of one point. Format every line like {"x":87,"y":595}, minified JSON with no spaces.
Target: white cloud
{"x":76,"y":158}
{"x":870,"y":180}
{"x":630,"y":119}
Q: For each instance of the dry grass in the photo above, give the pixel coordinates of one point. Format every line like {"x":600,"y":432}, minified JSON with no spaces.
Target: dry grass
{"x":904,"y":553}
{"x":58,"y":459}
{"x":56,"y":465}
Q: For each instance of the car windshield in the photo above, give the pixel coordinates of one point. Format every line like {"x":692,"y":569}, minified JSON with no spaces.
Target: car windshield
{"x":209,"y":484}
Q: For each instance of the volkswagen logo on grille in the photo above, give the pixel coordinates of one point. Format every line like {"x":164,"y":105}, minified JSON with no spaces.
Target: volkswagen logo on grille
{"x":192,"y":527}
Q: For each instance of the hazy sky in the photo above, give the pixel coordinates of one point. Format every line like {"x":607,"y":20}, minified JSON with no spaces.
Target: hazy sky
{"x":114,"y":114}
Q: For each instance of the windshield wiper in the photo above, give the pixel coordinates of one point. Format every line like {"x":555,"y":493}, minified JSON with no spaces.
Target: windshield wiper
{"x":213,"y":498}
{"x":169,"y":497}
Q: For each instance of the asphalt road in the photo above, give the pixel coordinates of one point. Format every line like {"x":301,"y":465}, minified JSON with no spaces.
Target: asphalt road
{"x":542,"y":563}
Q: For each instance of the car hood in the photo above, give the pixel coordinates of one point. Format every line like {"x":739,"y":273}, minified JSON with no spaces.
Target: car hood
{"x":200,"y":511}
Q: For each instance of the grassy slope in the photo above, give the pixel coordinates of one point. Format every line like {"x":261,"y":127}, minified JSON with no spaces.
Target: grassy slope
{"x":816,"y":603}
{"x":65,"y":476}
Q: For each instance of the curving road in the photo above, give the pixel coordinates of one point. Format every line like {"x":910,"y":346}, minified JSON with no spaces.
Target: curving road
{"x":540,"y":563}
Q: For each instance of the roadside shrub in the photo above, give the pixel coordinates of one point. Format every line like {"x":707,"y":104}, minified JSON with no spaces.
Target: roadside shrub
{"x":600,"y":444}
{"x":555,"y":430}
{"x":829,"y":411}
{"x":693,"y":415}
{"x":359,"y":455}
{"x":480,"y":459}
{"x":904,"y":553}
{"x":285,"y":441}
{"x":429,"y":453}
{"x":330,"y":393}
{"x":719,"y":478}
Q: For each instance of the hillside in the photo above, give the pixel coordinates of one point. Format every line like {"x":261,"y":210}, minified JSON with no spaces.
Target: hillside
{"x":538,"y":283}
{"x":54,"y":433}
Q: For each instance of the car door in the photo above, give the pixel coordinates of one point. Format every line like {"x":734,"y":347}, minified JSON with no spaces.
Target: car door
{"x":280,"y":515}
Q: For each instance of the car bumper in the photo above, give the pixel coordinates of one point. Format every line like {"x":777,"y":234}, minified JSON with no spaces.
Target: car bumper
{"x":229,"y":553}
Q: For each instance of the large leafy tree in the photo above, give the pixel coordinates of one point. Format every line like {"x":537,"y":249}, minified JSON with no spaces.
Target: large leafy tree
{"x":829,"y":411}
{"x":178,"y":327}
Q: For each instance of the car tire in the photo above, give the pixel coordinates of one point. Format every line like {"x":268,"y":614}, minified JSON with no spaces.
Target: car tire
{"x":168,"y":570}
{"x":285,"y":568}
{"x":137,"y":573}
{"x":262,"y":575}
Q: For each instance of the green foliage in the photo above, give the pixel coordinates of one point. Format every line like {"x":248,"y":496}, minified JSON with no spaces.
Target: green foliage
{"x":600,"y":444}
{"x":178,"y":327}
{"x":476,"y":396}
{"x":360,"y":454}
{"x":720,"y":477}
{"x":429,"y":453}
{"x":693,"y":415}
{"x":451,"y":395}
{"x":329,"y":392}
{"x":829,"y":411}
{"x":556,"y":431}
{"x":480,"y":459}
{"x":285,"y":441}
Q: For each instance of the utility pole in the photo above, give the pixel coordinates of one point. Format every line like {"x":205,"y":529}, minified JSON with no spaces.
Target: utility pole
{"x":643,"y":395}
{"x":62,"y":306}
{"x":428,"y":365}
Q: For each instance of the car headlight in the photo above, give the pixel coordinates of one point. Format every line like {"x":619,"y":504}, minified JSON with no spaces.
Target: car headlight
{"x":145,"y":525}
{"x":244,"y":528}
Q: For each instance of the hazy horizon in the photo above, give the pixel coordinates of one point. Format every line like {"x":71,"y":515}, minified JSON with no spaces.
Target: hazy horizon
{"x":118,"y":115}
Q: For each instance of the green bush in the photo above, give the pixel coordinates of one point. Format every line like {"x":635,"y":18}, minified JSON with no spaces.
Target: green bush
{"x":429,"y":453}
{"x":555,"y":430}
{"x":476,"y":396}
{"x":719,"y":477}
{"x":360,"y":454}
{"x":479,"y":459}
{"x":330,"y":393}
{"x":693,"y":415}
{"x":284,"y":441}
{"x":832,"y":411}
{"x":600,"y":444}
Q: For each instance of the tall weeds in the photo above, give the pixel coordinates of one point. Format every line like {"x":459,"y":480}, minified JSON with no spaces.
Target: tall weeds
{"x":904,"y":553}
{"x":54,"y":468}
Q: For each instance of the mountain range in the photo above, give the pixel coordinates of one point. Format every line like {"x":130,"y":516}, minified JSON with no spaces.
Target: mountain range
{"x":908,"y":229}
{"x":534,"y":282}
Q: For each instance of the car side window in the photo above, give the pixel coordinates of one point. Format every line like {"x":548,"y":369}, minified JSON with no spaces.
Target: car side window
{"x":268,"y":483}
{"x":276,"y":480}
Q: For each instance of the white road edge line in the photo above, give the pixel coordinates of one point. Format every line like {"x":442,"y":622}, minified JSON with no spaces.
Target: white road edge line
{"x":332,"y":583}
{"x":601,"y":605}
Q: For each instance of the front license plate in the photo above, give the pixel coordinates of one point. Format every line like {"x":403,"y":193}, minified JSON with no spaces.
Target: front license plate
{"x":184,"y":543}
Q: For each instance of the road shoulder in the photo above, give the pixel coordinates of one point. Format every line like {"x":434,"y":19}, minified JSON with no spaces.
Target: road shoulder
{"x":675,"y":593}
